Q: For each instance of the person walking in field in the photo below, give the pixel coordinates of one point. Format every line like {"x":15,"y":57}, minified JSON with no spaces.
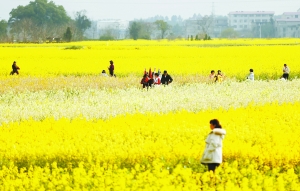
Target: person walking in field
{"x":166,"y":79}
{"x":15,"y":69}
{"x":111,"y":68}
{"x":251,"y":75}
{"x":286,"y":72}
{"x":212,"y":156}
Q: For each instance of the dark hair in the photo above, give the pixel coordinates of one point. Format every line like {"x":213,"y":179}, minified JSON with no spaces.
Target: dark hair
{"x":165,"y":72}
{"x":251,"y":70}
{"x":14,"y":62}
{"x":145,"y":75}
{"x":216,"y":123}
{"x":284,"y":64}
{"x":219,"y":71}
{"x":212,"y":71}
{"x":156,"y":74}
{"x":103,"y":71}
{"x":111,"y":62}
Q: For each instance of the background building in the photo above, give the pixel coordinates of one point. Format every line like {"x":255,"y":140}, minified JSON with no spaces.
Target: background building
{"x":244,"y":20}
{"x":288,"y":25}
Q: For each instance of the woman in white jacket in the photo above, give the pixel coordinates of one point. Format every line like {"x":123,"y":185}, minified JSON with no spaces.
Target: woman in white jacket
{"x":212,"y":155}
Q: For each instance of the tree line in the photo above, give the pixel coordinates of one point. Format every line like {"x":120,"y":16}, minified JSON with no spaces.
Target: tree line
{"x":41,"y":20}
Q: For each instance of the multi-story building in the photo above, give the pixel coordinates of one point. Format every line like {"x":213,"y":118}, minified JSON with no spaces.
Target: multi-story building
{"x":288,"y":25}
{"x":244,"y":20}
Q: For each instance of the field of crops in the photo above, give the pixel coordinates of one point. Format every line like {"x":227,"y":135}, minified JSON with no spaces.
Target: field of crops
{"x":65,"y":127}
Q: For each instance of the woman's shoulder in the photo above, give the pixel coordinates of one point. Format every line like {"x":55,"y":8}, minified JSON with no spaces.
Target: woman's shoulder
{"x":219,"y":131}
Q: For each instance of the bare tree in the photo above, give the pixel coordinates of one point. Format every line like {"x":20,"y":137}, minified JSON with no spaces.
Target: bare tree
{"x":205,"y":24}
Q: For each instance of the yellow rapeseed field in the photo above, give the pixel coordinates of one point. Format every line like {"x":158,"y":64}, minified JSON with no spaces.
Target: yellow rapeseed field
{"x":182,"y":58}
{"x":65,"y":127}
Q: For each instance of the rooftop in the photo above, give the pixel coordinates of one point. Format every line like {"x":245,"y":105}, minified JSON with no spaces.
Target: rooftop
{"x":291,"y":13}
{"x":288,"y":20}
{"x":252,"y":12}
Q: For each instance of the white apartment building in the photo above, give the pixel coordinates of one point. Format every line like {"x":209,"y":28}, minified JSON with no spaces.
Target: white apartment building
{"x":243,"y":20}
{"x":288,"y":25}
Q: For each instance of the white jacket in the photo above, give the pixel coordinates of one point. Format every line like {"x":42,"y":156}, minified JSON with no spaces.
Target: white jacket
{"x":213,"y":149}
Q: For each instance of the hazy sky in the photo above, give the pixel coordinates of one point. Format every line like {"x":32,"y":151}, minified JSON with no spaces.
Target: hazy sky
{"x":130,"y":9}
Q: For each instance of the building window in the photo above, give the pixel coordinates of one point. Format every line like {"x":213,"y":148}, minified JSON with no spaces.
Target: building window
{"x":234,"y":21}
{"x":251,"y":15}
{"x":257,"y":15}
{"x":296,"y":16}
{"x":234,"y":26}
{"x":245,"y":26}
{"x":235,"y":15}
{"x":264,"y":20}
{"x":257,"y":20}
{"x":245,"y":20}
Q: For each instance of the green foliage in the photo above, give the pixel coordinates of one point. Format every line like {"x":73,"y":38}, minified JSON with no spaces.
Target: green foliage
{"x":192,"y":37}
{"x":82,"y":22}
{"x":38,"y":19}
{"x":106,"y":37}
{"x":268,"y":30}
{"x":207,"y":37}
{"x":140,"y":30}
{"x":3,"y":30}
{"x":229,"y":33}
{"x":68,"y":35}
{"x":134,"y":30}
{"x":41,"y":12}
{"x":74,"y":48}
{"x":163,"y":27}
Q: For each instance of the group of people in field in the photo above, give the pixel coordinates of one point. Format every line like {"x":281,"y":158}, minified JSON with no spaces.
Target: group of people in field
{"x":156,"y":78}
{"x":151,"y":79}
{"x":219,"y":76}
{"x":111,"y":69}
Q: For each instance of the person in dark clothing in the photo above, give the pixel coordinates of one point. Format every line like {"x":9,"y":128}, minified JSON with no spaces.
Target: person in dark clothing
{"x":15,"y":69}
{"x":166,"y":79}
{"x":111,"y":68}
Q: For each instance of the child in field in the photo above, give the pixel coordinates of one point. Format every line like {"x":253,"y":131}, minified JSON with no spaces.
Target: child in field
{"x":251,"y":75}
{"x":15,"y":69}
{"x":104,"y":73}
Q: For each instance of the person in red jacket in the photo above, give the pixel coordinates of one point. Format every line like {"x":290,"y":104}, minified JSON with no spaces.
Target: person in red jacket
{"x":15,"y":69}
{"x":146,"y":81}
{"x":111,"y":68}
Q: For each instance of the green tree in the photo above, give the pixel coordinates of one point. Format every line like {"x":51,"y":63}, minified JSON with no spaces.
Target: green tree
{"x":46,"y":18}
{"x":107,"y":35}
{"x":134,"y":30}
{"x":229,"y":33}
{"x":3,"y":30}
{"x":68,"y":35}
{"x":82,"y":23}
{"x":268,"y":29}
{"x":163,"y":27}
